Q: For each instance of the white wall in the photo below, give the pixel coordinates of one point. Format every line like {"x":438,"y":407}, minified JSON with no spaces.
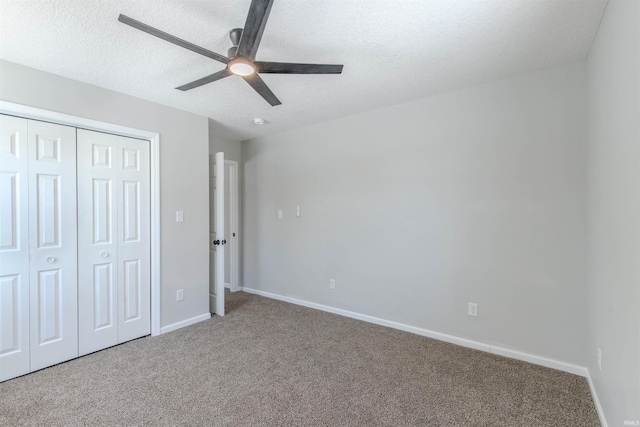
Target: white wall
{"x":220,"y":141}
{"x":614,"y":211}
{"x":183,"y":172}
{"x":472,"y":196}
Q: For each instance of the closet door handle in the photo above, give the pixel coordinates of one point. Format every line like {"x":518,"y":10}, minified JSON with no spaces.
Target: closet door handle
{"x":104,"y":254}
{"x":51,"y":259}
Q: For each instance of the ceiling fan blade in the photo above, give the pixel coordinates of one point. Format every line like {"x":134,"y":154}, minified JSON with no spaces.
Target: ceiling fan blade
{"x":293,"y":68}
{"x":172,"y":39}
{"x":254,"y":27}
{"x":261,"y":87}
{"x":203,"y":81}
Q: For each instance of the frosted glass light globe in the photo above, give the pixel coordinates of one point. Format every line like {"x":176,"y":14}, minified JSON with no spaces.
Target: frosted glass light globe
{"x":241,"y":67}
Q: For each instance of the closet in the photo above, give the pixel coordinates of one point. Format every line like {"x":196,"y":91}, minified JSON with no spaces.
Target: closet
{"x":74,"y":243}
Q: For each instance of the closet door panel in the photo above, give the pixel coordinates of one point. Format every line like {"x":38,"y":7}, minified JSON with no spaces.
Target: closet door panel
{"x":134,"y":292}
{"x":14,"y":248}
{"x":52,"y":243}
{"x":98,"y":153}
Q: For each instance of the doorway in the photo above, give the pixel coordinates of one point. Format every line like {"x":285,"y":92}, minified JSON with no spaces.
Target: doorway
{"x":229,"y":215}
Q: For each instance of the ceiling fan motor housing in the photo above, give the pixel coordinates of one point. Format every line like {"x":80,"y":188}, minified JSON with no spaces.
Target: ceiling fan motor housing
{"x":235,"y":35}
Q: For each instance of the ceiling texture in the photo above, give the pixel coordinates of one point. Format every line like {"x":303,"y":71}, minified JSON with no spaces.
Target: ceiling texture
{"x":393,"y":51}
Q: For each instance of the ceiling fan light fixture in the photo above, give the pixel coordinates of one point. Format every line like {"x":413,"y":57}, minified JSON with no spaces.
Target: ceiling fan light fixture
{"x":241,"y":67}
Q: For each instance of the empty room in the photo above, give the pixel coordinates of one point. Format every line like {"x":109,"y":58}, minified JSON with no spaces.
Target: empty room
{"x":320,"y":213}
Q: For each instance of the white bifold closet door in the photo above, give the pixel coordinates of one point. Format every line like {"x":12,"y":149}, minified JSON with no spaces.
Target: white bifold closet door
{"x":53,"y":232}
{"x":38,"y":252}
{"x":114,"y":247}
{"x":14,"y":248}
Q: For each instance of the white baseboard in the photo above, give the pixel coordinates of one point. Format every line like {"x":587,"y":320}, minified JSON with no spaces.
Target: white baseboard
{"x":183,"y":323}
{"x":540,"y":360}
{"x":596,"y":400}
{"x":513,"y":354}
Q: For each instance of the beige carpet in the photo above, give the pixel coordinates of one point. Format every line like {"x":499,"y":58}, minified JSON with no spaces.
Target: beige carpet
{"x":269,"y":363}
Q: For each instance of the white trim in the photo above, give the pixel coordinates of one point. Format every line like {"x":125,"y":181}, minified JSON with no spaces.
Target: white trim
{"x":156,"y":278}
{"x":512,"y":354}
{"x":187,"y":322}
{"x":154,"y":147}
{"x":540,"y":360}
{"x":596,"y":400}
{"x":234,"y":222}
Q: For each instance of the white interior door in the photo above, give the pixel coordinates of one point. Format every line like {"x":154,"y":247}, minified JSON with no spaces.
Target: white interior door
{"x":14,"y":248}
{"x":134,"y":240}
{"x":114,"y":246}
{"x":219,"y":237}
{"x":52,"y":244}
{"x":212,"y":234}
{"x":97,"y":243}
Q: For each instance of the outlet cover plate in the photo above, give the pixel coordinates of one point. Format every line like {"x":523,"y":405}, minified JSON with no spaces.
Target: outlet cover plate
{"x":473,"y":309}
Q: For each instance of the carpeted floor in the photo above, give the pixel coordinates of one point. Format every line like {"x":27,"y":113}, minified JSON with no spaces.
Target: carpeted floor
{"x":269,"y":363}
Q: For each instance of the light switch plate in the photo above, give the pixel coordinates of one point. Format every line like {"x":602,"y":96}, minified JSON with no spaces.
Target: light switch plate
{"x":179,"y":216}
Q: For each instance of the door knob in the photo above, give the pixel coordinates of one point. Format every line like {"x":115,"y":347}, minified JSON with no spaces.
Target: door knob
{"x":51,"y":259}
{"x":104,"y":254}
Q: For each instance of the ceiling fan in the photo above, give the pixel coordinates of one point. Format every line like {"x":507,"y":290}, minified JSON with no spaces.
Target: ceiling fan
{"x":240,"y":59}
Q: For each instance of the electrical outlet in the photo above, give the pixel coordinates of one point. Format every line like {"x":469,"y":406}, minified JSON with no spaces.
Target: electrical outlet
{"x":179,"y":216}
{"x":279,"y":214}
{"x":332,"y":283}
{"x":473,"y":309}
{"x":599,"y":359}
{"x":179,"y":294}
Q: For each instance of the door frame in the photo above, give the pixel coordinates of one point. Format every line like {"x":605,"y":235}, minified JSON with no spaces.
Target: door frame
{"x":234,"y":220}
{"x":33,"y":113}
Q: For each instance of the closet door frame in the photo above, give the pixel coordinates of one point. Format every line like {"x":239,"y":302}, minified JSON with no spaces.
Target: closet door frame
{"x":27,"y":112}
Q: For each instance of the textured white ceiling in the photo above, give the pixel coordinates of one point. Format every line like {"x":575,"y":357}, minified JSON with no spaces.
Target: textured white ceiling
{"x":392,"y":50}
